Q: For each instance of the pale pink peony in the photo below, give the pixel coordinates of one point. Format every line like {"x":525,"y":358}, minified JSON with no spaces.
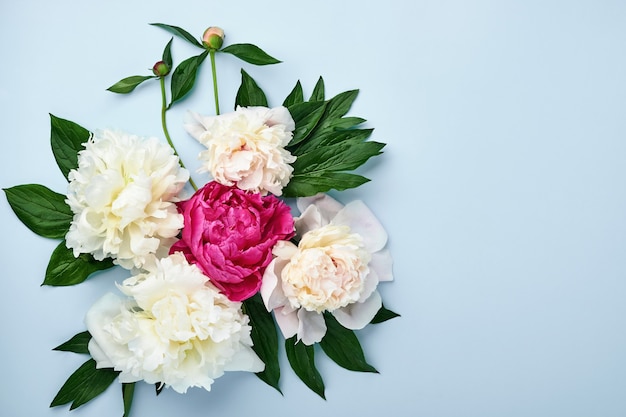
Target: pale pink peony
{"x":335,"y":268}
{"x":229,"y":235}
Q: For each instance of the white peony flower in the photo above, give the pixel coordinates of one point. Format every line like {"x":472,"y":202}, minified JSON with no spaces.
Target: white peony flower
{"x":246,"y":148}
{"x":122,"y":196}
{"x":335,"y":268}
{"x":176,"y":329}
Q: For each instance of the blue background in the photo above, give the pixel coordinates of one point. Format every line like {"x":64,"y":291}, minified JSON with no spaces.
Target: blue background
{"x":501,"y":187}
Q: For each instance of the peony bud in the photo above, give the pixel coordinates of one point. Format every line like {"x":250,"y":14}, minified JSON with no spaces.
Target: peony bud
{"x":160,"y":69}
{"x":213,"y":38}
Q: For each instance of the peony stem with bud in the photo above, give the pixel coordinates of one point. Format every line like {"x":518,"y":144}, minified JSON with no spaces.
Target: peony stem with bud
{"x":214,"y":72}
{"x":165,"y":131}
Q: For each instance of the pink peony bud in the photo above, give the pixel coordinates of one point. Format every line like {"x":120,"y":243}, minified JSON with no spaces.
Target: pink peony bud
{"x":213,"y":38}
{"x":160,"y":69}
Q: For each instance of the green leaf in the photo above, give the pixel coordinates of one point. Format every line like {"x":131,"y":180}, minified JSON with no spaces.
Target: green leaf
{"x":252,"y":54}
{"x":78,"y":343}
{"x":343,"y":156}
{"x":64,"y":269}
{"x":184,"y":76}
{"x":383,"y":315}
{"x":296,"y":96}
{"x":305,"y":185}
{"x":167,"y":54}
{"x":249,"y":93}
{"x":40,"y":209}
{"x":128,"y":84}
{"x":318,"y":91}
{"x":128,"y":392}
{"x":84,"y":384}
{"x":340,"y":104}
{"x":180,"y":32}
{"x":346,"y":123}
{"x":306,"y":115}
{"x":343,"y":347}
{"x":265,"y":339}
{"x":67,"y":139}
{"x":302,"y":360}
{"x":331,"y":138}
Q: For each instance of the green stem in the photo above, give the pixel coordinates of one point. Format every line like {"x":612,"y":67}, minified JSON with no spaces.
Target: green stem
{"x":167,"y":134}
{"x":214,"y":72}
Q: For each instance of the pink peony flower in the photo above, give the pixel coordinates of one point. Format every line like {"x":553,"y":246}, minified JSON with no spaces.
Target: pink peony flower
{"x":229,"y":234}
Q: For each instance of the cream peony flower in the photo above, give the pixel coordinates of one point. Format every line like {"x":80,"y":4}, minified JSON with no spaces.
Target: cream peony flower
{"x":246,"y":148}
{"x":176,"y":329}
{"x":122,"y":196}
{"x":335,"y":268}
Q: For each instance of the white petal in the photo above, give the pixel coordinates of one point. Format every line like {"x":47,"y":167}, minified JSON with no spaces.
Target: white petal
{"x":193,"y":125}
{"x":328,"y":206}
{"x":382,"y":263}
{"x":312,"y":326}
{"x":358,"y":315}
{"x":362,"y":221}
{"x":245,"y":360}
{"x":287,"y":322}
{"x":280,"y":115}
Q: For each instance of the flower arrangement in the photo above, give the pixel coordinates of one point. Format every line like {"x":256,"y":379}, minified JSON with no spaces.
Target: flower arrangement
{"x":214,"y":277}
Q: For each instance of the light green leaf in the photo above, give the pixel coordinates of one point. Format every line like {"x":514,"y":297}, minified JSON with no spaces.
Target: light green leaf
{"x":180,"y":32}
{"x":252,"y":54}
{"x":40,"y":209}
{"x":318,"y":93}
{"x":128,"y":84}
{"x":265,"y":339}
{"x":84,"y":384}
{"x":184,"y":76}
{"x":383,"y":315}
{"x":306,"y":185}
{"x":343,"y":347}
{"x":296,"y":96}
{"x":128,"y":392}
{"x":302,"y":360}
{"x":249,"y":93}
{"x":77,"y":344}
{"x":64,"y":269}
{"x":67,"y":139}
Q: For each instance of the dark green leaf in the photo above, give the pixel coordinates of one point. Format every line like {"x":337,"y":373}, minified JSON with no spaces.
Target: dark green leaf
{"x":295,"y":97}
{"x":252,"y":54}
{"x":42,"y":210}
{"x":66,"y":139}
{"x":346,"y":123}
{"x":306,"y":115}
{"x":265,"y":339}
{"x":128,"y":84}
{"x":318,"y":93}
{"x":343,"y":156}
{"x":77,"y":344}
{"x":302,"y":360}
{"x":310,"y":184}
{"x":128,"y":391}
{"x":383,"y":315}
{"x":84,"y":384}
{"x":184,"y":76}
{"x":331,"y":138}
{"x":249,"y":93}
{"x":167,"y":54}
{"x":340,"y":104}
{"x":179,"y":32}
{"x":64,"y":269}
{"x":343,"y":347}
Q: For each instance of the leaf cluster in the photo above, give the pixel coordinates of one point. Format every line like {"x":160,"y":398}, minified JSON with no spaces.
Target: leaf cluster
{"x":46,"y":213}
{"x":327,"y":144}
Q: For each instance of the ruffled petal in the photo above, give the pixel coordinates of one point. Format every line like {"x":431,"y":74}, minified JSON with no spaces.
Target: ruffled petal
{"x":361,"y":220}
{"x":358,"y":315}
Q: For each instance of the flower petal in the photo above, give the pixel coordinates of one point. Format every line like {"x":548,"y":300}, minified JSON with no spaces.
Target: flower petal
{"x":327,"y":206}
{"x":382,"y":263}
{"x":287,"y":321}
{"x":358,"y":315}
{"x":361,"y":220}
{"x":312,"y":326}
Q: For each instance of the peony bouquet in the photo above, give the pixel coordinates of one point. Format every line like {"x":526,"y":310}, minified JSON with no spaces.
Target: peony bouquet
{"x":217,"y":273}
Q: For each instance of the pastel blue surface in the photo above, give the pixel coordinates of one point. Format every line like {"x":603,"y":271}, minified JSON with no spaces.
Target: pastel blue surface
{"x":501,"y":188}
